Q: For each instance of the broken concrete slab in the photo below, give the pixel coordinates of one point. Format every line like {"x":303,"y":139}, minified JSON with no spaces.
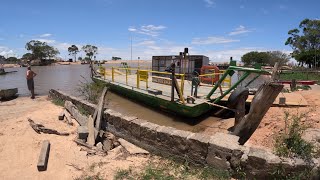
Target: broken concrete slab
{"x":131,"y":148}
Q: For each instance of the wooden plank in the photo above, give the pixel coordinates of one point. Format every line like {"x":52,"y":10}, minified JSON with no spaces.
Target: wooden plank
{"x":100,"y":109}
{"x":80,"y":118}
{"x":44,"y":156}
{"x":68,"y":117}
{"x":91,"y":135}
{"x":260,"y":104}
{"x":79,"y":142}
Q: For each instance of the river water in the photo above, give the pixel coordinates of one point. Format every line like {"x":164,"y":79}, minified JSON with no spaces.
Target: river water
{"x":68,"y":77}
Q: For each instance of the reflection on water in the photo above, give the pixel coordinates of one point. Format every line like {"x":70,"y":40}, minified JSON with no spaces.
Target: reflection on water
{"x":68,"y":77}
{"x":61,"y":77}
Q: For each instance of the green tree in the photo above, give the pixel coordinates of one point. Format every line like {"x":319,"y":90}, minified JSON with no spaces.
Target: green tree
{"x":278,"y":56}
{"x":90,"y":50}
{"x":116,"y":58}
{"x":50,"y":51}
{"x":305,"y":42}
{"x":73,"y":50}
{"x":27,"y":56}
{"x":41,"y":50}
{"x":253,"y":57}
{"x":12,"y":59}
{"x":79,"y":58}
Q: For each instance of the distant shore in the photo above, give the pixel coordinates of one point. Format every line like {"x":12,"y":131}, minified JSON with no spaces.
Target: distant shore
{"x":138,"y":62}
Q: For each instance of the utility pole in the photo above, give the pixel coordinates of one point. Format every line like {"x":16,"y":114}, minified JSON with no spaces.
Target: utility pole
{"x":131,"y":47}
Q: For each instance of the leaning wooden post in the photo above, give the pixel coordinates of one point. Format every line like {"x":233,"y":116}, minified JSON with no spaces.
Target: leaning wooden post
{"x":260,"y":104}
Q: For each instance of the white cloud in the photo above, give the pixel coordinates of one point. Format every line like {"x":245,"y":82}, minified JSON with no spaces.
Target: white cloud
{"x":5,"y":51}
{"x":212,"y":40}
{"x":150,"y":30}
{"x":236,"y":54}
{"x":146,"y":43}
{"x":62,"y":46}
{"x":45,"y":35}
{"x":209,"y":3}
{"x":240,"y":30}
{"x":132,"y":29}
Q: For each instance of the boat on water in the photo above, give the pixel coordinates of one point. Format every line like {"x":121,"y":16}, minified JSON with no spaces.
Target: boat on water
{"x":170,"y":93}
{"x":8,"y":93}
{"x":3,"y":72}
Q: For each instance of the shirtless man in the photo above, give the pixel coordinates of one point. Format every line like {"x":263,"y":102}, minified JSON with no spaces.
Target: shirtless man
{"x":30,"y":75}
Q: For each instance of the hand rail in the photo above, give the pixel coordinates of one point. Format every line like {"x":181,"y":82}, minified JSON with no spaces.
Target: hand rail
{"x":139,"y":72}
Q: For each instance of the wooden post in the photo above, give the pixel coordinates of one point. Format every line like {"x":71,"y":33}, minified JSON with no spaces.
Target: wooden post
{"x":44,"y":156}
{"x":293,"y":85}
{"x":260,"y":104}
{"x":275,"y":74}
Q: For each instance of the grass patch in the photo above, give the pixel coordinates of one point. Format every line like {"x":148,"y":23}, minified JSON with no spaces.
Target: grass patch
{"x":83,"y":111}
{"x":165,"y":169}
{"x":211,"y":173}
{"x":123,"y":174}
{"x":290,"y":143}
{"x":91,"y":91}
{"x":156,"y":173}
{"x":300,"y":76}
{"x":90,"y":177}
{"x":58,"y":102}
{"x":280,"y":173}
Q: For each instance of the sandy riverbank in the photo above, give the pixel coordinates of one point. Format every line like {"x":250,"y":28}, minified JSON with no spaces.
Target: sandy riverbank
{"x":20,"y":145}
{"x":9,"y":65}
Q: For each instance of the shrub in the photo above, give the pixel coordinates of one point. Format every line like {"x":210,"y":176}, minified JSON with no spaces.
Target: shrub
{"x":290,"y":143}
{"x":91,"y":91}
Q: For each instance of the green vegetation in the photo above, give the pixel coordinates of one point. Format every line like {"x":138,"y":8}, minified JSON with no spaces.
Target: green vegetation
{"x":300,"y":76}
{"x":58,"y":102}
{"x":280,"y":173}
{"x":290,"y":143}
{"x":116,"y":58}
{"x":169,"y":170}
{"x":90,"y":177}
{"x":83,"y":111}
{"x":123,"y":174}
{"x":91,"y":91}
{"x":73,"y":50}
{"x":41,"y":50}
{"x":265,"y":58}
{"x":305,"y":42}
{"x":90,"y":50}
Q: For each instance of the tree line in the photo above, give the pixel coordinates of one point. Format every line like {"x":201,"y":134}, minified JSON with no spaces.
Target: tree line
{"x":304,"y":41}
{"x":42,"y":51}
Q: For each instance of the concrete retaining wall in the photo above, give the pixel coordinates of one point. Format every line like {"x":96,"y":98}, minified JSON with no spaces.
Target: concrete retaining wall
{"x":220,"y":151}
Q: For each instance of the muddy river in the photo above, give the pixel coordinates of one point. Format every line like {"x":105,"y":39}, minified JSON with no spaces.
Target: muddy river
{"x":68,"y":78}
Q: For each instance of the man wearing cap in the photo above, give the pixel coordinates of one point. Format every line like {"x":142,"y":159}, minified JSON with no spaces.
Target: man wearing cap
{"x":30,"y":75}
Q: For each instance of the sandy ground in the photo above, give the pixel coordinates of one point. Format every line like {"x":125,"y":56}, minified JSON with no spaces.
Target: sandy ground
{"x":273,"y":122}
{"x":20,"y":145}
